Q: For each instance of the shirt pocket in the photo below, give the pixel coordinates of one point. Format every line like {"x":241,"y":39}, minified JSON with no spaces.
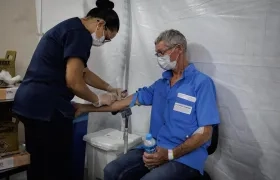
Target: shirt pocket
{"x":184,"y":107}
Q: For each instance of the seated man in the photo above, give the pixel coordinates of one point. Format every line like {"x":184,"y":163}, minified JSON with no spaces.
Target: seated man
{"x":184,"y":110}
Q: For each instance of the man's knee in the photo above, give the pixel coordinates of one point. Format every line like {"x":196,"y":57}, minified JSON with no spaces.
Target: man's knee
{"x":172,"y":170}
{"x":126,"y":162}
{"x":111,"y":170}
{"x":153,"y":176}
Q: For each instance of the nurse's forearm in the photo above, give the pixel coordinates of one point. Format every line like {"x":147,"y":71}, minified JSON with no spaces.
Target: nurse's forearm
{"x":82,"y":91}
{"x":94,"y":81}
{"x":74,"y":80}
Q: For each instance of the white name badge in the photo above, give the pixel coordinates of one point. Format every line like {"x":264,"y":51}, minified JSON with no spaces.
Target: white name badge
{"x":182,"y":108}
{"x":186,"y":97}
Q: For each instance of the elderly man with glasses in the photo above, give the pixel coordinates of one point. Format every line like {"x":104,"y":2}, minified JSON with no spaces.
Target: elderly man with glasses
{"x":184,"y":111}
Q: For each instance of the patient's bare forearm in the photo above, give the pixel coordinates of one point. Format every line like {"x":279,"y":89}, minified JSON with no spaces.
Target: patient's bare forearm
{"x":193,"y":142}
{"x":116,"y":106}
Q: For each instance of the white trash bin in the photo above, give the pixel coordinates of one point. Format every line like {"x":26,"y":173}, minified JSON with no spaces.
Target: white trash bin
{"x":103,"y":147}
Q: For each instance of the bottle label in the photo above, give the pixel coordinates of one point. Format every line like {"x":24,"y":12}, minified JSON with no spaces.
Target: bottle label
{"x":150,"y":149}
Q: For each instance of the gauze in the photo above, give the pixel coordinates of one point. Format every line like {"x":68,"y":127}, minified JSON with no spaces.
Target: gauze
{"x":200,"y":130}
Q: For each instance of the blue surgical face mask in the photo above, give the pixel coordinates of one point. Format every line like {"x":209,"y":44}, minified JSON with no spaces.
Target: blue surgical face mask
{"x":97,"y":41}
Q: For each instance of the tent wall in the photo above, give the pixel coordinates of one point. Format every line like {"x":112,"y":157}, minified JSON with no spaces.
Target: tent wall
{"x":237,"y":44}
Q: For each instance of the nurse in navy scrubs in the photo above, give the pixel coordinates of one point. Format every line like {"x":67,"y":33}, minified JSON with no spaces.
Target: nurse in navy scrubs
{"x":58,"y":71}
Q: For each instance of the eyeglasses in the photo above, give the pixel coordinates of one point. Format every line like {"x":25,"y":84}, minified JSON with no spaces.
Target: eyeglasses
{"x":162,"y":53}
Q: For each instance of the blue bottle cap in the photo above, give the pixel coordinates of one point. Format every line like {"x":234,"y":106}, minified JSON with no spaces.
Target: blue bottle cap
{"x":149,"y":137}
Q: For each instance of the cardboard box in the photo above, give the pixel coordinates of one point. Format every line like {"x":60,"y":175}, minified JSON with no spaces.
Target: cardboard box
{"x":8,"y":93}
{"x":14,"y":161}
{"x":8,"y":63}
{"x":6,"y":110}
{"x":8,"y":137}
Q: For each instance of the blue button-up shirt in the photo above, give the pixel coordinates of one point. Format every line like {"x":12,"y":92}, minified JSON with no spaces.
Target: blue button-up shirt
{"x":179,"y":110}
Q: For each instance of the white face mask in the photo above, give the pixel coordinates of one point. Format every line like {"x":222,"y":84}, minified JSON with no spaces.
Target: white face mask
{"x":165,"y":63}
{"x":97,"y":41}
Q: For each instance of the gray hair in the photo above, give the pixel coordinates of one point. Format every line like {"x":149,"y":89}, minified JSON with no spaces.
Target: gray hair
{"x":171,"y":38}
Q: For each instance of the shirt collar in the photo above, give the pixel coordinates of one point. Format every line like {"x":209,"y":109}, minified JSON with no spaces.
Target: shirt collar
{"x":188,"y":70}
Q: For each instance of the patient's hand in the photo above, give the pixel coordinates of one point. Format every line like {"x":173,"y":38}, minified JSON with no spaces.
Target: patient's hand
{"x":156,"y":159}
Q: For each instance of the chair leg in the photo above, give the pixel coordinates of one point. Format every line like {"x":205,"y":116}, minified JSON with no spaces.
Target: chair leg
{"x":205,"y":176}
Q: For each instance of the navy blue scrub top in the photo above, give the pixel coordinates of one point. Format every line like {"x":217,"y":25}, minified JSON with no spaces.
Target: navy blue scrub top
{"x":43,"y":90}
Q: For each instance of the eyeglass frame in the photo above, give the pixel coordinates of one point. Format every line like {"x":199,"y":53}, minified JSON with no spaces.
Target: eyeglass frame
{"x":164,"y":51}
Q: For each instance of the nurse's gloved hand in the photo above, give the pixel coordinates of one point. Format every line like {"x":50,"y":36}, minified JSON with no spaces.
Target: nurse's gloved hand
{"x":105,"y":99}
{"x":117,"y":92}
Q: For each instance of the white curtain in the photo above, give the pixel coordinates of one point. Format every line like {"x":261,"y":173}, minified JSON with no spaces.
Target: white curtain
{"x":237,"y":43}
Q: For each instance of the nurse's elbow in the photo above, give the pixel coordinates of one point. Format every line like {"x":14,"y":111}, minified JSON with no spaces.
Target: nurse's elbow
{"x":74,"y":73}
{"x":71,"y":84}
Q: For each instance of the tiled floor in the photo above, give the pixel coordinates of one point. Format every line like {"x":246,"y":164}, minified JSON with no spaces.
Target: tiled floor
{"x":20,"y":176}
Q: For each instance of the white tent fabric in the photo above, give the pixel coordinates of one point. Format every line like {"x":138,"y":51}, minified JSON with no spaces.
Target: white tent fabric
{"x":236,"y":42}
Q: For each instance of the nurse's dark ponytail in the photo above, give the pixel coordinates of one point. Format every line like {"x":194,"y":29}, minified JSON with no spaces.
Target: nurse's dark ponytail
{"x":104,"y":10}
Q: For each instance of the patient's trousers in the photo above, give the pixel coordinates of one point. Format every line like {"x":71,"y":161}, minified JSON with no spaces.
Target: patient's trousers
{"x":131,"y":167}
{"x":50,"y":146}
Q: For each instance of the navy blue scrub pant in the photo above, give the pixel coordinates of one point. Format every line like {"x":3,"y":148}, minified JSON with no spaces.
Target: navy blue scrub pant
{"x":50,"y":146}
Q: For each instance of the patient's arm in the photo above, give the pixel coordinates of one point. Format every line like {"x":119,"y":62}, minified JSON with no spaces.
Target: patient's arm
{"x":116,"y":106}
{"x":192,"y":143}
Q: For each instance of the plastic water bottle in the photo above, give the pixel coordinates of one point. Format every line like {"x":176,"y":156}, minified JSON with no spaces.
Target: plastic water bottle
{"x":150,"y":146}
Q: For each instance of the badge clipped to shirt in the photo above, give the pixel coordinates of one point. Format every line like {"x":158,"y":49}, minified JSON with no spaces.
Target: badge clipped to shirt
{"x":187,"y":97}
{"x":182,"y":108}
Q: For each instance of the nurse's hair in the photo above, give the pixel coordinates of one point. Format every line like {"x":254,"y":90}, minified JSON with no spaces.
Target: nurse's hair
{"x":104,"y":10}
{"x":171,"y":38}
